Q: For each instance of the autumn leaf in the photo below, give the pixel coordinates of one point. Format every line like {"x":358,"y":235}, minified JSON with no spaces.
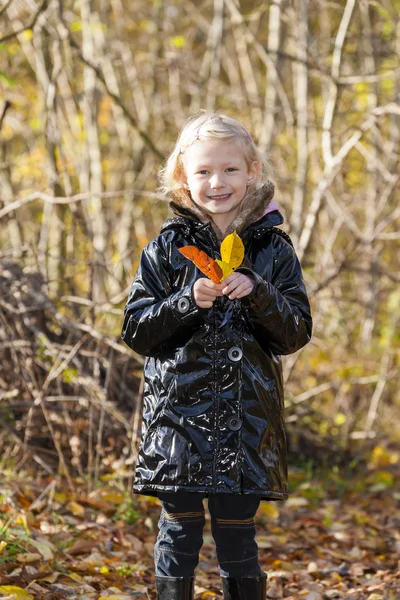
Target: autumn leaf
{"x":232,"y":250}
{"x":15,"y":592}
{"x":205,"y":263}
{"x":232,"y":253}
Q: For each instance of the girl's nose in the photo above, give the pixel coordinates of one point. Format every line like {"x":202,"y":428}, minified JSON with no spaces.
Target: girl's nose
{"x":217,"y":182}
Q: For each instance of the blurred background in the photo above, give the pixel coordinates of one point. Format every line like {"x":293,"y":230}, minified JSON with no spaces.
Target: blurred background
{"x":92,"y":96}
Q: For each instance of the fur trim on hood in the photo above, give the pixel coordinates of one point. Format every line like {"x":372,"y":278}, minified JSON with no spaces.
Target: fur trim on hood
{"x":254,"y":205}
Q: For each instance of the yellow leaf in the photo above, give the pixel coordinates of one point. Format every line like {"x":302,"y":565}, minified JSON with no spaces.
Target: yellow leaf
{"x":232,"y":250}
{"x":27,"y":34}
{"x":13,"y":592}
{"x":226,"y":268}
{"x":384,"y":477}
{"x":178,"y":41}
{"x":76,"y":509}
{"x":340,"y":418}
{"x":75,"y":577}
{"x":51,"y":578}
{"x":2,"y":545}
{"x":114,"y":498}
{"x":268,"y":509}
{"x":104,"y":570}
{"x":380,"y":457}
{"x":60,"y":497}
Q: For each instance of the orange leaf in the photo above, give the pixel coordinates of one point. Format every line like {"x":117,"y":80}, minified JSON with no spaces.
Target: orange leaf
{"x":205,"y":263}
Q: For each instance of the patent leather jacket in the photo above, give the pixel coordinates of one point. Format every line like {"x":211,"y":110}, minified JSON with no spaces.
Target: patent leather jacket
{"x":213,"y":408}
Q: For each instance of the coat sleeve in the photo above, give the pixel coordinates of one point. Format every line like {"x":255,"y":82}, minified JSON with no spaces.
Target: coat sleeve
{"x":279,"y":310}
{"x":156,"y":319}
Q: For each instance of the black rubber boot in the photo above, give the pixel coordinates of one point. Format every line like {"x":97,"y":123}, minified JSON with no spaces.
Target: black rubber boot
{"x":245,"y":588}
{"x":174,"y":588}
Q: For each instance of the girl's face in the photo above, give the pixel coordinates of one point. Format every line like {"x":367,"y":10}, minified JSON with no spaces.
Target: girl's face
{"x":217,"y":176}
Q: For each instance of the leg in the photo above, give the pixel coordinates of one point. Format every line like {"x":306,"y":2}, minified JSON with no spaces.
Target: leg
{"x":180,"y":536}
{"x":233,"y":529}
{"x":232,"y":522}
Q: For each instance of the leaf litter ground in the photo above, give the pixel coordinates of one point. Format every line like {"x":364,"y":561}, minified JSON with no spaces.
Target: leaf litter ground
{"x":334,"y":538}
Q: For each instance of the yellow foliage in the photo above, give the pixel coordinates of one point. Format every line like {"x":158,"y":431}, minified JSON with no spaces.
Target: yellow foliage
{"x":226,"y":268}
{"x":269,"y":510}
{"x":114,"y":498}
{"x":27,"y":34}
{"x":76,"y":509}
{"x":178,"y":41}
{"x":310,"y":381}
{"x":380,"y":457}
{"x":232,"y":254}
{"x":340,"y":418}
{"x":13,"y":592}
{"x":232,"y":250}
{"x":76,"y":26}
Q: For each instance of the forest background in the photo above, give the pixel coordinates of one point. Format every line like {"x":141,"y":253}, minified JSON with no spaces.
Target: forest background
{"x":93,"y":95}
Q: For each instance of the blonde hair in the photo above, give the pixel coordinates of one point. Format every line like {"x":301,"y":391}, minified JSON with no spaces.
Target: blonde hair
{"x":208,"y":125}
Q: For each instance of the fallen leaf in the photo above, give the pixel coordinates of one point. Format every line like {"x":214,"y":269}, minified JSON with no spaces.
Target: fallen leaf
{"x":51,"y":578}
{"x":81,"y":547}
{"x":76,"y":509}
{"x":268,"y":509}
{"x":28,"y":557}
{"x":114,"y":597}
{"x":45,"y":548}
{"x":14,"y":592}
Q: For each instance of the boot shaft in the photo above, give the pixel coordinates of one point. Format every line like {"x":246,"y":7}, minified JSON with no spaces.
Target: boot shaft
{"x":175,"y":588}
{"x":245,"y":588}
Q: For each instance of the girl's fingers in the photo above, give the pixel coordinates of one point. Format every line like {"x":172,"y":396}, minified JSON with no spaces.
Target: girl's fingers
{"x":240,"y":291}
{"x":233,"y":285}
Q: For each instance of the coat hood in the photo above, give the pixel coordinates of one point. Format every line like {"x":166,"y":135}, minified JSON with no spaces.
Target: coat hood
{"x":258,"y":209}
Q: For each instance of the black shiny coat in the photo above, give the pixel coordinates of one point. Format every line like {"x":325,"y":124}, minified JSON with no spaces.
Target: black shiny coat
{"x":213,"y":414}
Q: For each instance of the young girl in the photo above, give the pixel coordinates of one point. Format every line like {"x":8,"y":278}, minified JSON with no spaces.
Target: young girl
{"x":213,"y":416}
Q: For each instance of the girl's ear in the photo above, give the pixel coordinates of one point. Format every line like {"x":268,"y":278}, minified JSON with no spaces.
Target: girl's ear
{"x":182,"y":177}
{"x":253,"y":172}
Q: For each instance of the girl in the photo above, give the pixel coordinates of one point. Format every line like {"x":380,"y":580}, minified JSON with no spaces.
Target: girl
{"x":213,"y":416}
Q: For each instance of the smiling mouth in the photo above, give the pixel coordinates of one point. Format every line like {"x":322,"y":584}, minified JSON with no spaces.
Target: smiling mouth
{"x":220,"y":197}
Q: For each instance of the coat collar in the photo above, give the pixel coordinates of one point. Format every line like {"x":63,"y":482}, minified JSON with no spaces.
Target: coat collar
{"x":258,"y":212}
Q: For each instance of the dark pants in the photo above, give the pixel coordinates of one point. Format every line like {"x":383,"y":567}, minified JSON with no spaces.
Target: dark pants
{"x":180,"y":538}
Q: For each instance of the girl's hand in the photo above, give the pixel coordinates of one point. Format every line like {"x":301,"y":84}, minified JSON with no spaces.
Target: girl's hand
{"x":237,"y":285}
{"x":205,"y":291}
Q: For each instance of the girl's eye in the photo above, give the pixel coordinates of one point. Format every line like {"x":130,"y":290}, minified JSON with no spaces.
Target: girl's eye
{"x":203,"y":172}
{"x":230,"y":169}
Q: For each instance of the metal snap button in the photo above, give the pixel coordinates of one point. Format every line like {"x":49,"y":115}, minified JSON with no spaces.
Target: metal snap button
{"x":235,"y":353}
{"x":234,"y":423}
{"x":183,"y":305}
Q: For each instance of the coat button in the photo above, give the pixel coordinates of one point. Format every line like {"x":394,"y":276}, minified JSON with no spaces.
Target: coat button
{"x":235,"y":353}
{"x":234,"y":423}
{"x":183,"y":305}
